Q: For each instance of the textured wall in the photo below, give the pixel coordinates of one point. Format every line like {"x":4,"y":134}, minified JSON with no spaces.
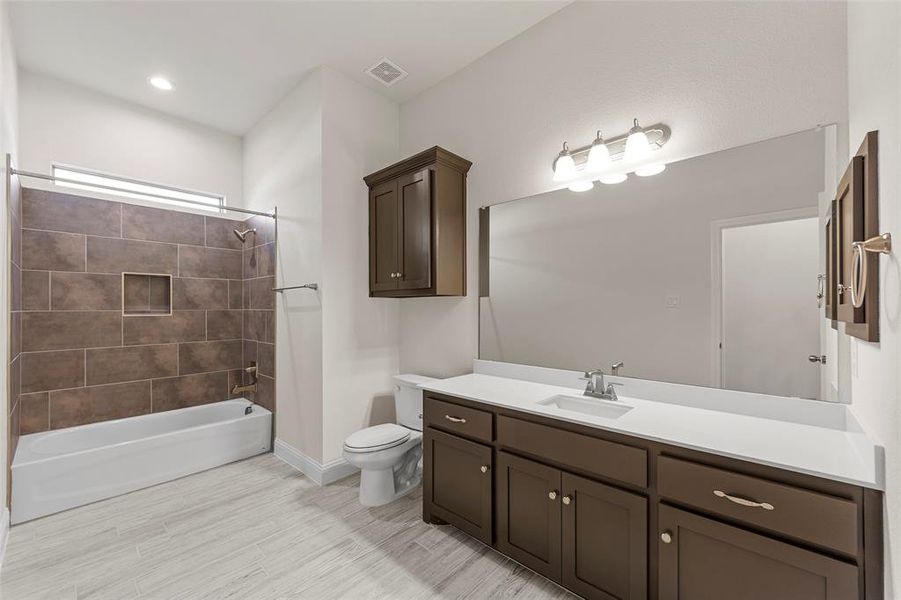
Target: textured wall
{"x":721,"y":74}
{"x":83,"y":360}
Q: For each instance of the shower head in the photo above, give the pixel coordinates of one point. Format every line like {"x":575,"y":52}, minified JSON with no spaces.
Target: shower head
{"x":242,"y":235}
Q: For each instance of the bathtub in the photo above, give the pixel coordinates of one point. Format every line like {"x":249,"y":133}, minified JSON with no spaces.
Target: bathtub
{"x":65,"y":468}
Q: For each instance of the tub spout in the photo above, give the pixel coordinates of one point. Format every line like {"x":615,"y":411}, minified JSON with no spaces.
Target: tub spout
{"x":240,"y":389}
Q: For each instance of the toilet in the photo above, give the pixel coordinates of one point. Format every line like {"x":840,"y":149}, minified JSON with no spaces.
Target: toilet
{"x":388,"y":455}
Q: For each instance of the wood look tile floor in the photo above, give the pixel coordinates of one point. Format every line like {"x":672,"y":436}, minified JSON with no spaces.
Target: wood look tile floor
{"x":254,"y":530}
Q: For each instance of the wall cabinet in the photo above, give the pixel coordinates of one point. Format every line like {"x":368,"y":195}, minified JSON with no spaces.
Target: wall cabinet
{"x":417,"y":226}
{"x":610,"y":516}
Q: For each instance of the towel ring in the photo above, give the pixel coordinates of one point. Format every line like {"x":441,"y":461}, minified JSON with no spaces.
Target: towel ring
{"x":881,"y":244}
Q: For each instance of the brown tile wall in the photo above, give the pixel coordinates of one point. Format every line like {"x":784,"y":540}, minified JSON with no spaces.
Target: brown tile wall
{"x":82,"y":360}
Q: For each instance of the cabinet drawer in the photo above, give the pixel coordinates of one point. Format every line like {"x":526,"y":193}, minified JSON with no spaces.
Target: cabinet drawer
{"x":461,"y":420}
{"x":817,"y":518}
{"x":589,"y":454}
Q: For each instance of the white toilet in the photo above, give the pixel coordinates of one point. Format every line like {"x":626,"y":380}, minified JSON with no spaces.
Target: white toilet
{"x":388,"y":455}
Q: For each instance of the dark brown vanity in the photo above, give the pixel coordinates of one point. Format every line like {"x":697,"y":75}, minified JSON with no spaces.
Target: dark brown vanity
{"x":417,"y":226}
{"x":610,"y":516}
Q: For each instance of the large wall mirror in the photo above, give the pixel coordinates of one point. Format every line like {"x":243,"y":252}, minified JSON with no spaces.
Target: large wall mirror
{"x":706,"y":274}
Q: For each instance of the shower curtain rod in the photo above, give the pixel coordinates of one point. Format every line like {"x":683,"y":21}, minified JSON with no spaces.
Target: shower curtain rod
{"x":54,"y":179}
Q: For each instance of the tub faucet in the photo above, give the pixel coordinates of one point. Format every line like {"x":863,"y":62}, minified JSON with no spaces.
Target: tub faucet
{"x":252,"y":386}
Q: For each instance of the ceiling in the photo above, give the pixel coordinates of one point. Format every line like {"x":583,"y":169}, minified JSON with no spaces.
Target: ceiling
{"x":232,"y":61}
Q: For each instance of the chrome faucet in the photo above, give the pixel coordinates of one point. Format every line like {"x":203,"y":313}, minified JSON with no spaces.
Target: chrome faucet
{"x":596,"y":388}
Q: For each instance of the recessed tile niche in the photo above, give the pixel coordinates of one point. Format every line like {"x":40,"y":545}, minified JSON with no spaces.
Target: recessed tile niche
{"x":146,"y":294}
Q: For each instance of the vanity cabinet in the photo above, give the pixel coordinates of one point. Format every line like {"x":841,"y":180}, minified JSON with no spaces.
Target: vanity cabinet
{"x":611,"y":516}
{"x":605,"y":543}
{"x":459,"y":489}
{"x":588,"y":536}
{"x":417,"y":226}
{"x":703,"y":558}
{"x":529,"y":514}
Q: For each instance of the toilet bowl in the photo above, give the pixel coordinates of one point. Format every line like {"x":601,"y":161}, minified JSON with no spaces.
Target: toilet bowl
{"x":389,"y":455}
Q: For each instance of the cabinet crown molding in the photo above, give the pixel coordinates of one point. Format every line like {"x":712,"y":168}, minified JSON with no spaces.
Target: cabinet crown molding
{"x":435,"y":154}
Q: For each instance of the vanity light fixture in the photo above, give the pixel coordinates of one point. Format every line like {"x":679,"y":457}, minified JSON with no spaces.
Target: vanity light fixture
{"x":564,"y":166}
{"x":599,"y":160}
{"x":581,"y":185}
{"x":598,"y":156}
{"x":637,"y":145}
{"x":161,"y":83}
{"x":613,"y":178}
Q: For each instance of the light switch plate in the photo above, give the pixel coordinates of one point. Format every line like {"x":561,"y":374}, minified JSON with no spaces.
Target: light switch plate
{"x":673,"y":301}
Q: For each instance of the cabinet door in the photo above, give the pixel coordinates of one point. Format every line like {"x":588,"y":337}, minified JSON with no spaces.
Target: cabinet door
{"x":384,"y":237}
{"x":458,"y":483}
{"x":528,"y":513}
{"x":605,"y":541}
{"x":415,"y":191}
{"x":701,"y":558}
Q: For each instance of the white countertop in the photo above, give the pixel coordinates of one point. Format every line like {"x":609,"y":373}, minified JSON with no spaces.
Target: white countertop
{"x":838,"y":452}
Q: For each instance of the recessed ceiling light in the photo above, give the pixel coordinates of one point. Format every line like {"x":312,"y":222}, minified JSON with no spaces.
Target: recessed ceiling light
{"x":161,"y":83}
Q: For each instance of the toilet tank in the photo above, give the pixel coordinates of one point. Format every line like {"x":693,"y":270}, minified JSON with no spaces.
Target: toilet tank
{"x":408,"y":400}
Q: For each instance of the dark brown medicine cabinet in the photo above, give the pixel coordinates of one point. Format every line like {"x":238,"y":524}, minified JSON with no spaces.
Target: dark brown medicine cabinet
{"x":853,"y":245}
{"x":417,"y":226}
{"x":617,"y":517}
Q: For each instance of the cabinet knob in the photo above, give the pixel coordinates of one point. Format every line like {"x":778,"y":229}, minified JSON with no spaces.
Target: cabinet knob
{"x":484,"y":468}
{"x":393,"y":275}
{"x":399,"y":275}
{"x":567,"y":500}
{"x":666,"y":537}
{"x":552,"y":494}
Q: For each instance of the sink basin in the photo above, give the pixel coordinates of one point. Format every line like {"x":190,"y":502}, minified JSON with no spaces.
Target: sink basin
{"x":588,"y":406}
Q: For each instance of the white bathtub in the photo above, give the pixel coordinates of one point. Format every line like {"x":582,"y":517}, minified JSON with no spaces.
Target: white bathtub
{"x":62,"y":469}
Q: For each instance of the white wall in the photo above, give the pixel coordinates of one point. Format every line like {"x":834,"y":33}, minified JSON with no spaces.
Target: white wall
{"x":597,"y":266}
{"x":8,"y":145}
{"x":64,"y":123}
{"x":360,"y":334}
{"x":336,"y":348}
{"x":283,"y":167}
{"x":874,"y":84}
{"x":720,"y":74}
{"x":765,"y":350}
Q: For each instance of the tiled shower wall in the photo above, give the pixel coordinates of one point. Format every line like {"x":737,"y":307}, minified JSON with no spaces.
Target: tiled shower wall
{"x":83,"y":361}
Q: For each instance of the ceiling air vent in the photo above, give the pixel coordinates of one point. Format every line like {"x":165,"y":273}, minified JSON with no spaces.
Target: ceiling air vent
{"x":386,"y":72}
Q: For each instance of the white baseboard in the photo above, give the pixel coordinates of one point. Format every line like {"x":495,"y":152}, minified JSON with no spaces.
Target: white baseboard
{"x":321,"y":474}
{"x":4,"y":533}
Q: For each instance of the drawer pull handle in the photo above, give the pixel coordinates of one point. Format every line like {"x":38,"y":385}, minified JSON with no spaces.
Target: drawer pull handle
{"x":666,"y":537}
{"x":567,"y":500}
{"x":743,"y":501}
{"x":455,"y":419}
{"x":483,"y":468}
{"x":552,"y":494}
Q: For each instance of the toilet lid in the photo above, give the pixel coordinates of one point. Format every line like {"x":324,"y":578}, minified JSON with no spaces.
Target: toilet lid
{"x":378,"y":437}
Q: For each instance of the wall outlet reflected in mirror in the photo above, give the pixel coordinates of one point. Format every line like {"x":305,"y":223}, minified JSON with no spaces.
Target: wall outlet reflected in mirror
{"x":673,"y":301}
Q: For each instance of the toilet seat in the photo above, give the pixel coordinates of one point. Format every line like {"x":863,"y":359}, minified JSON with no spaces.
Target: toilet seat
{"x":378,"y":437}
